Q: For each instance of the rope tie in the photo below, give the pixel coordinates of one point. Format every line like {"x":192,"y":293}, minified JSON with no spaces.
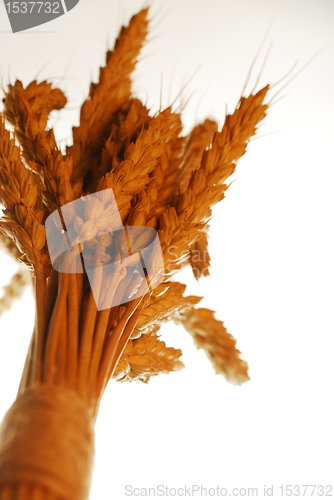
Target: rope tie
{"x":47,"y":438}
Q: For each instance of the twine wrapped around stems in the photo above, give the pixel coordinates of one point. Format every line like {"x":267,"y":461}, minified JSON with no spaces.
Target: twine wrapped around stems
{"x":47,"y":438}
{"x":160,"y":180}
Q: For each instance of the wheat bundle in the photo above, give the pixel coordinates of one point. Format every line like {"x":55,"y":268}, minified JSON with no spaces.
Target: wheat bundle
{"x":132,"y":189}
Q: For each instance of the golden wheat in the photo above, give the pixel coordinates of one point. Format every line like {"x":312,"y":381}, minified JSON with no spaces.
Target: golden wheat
{"x":161,"y":180}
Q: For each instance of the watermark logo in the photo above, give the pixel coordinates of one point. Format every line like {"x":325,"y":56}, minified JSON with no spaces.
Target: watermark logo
{"x":25,"y":15}
{"x":121,"y":262}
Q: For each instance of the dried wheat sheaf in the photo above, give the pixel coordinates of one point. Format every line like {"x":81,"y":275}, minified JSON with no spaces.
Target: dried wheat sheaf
{"x":160,"y":179}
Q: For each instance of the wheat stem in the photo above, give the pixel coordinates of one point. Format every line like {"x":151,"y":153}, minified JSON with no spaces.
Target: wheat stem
{"x":40,"y":289}
{"x":54,"y":329}
{"x":112,"y":343}
{"x":27,"y":365}
{"x":86,"y":344}
{"x":51,"y":294}
{"x":73,"y":329}
{"x":62,"y":347}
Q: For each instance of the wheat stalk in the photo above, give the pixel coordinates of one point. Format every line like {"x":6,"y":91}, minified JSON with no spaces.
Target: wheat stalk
{"x":159,"y":180}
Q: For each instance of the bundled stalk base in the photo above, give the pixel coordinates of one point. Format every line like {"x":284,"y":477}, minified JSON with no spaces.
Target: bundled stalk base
{"x":47,"y":440}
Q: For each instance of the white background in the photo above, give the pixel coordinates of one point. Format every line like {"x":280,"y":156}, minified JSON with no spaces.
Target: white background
{"x":271,"y":244}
